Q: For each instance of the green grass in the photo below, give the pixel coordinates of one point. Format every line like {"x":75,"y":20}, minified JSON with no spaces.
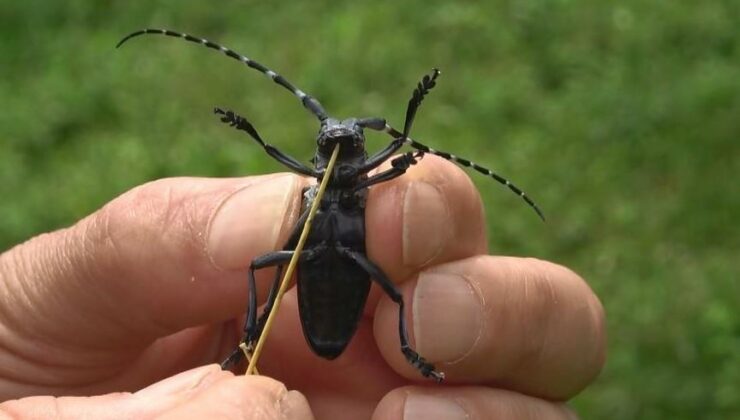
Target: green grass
{"x":620,"y":118}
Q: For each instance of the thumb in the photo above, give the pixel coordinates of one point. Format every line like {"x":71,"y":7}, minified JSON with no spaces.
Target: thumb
{"x":164,"y":256}
{"x":205,"y":392}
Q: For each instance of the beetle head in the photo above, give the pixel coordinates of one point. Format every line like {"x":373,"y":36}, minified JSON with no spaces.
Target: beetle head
{"x":347,"y":133}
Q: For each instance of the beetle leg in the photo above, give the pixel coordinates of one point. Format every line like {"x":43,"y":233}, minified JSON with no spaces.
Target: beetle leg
{"x":279,"y":259}
{"x":422,"y":89}
{"x":426,"y":368}
{"x":270,"y":301}
{"x":400,"y":165}
{"x":241,"y":123}
{"x":253,"y":326}
{"x":292,"y":241}
{"x":377,"y":159}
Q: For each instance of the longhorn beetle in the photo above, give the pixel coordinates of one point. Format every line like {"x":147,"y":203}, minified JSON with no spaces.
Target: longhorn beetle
{"x":334,"y":272}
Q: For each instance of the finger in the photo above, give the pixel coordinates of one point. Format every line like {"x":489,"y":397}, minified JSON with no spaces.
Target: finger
{"x":152,"y":400}
{"x":244,"y":397}
{"x":412,"y":403}
{"x":521,"y":324}
{"x":204,"y":392}
{"x":162,"y":257}
{"x":430,"y":215}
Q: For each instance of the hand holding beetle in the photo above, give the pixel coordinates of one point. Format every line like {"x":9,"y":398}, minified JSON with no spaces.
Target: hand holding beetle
{"x":143,"y":288}
{"x":148,"y":286}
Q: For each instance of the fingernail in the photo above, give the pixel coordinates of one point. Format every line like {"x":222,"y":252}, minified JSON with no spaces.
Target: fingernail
{"x":430,"y":407}
{"x":426,"y":223}
{"x":185,"y":381}
{"x":249,"y":221}
{"x":448,"y":316}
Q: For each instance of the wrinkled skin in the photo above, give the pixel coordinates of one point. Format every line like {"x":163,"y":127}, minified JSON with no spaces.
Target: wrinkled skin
{"x":154,"y":283}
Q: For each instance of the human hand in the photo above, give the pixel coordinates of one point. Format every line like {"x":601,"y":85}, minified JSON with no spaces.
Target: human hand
{"x":148,"y":286}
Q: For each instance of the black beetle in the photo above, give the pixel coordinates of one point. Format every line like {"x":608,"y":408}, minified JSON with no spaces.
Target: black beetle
{"x":334,"y":273}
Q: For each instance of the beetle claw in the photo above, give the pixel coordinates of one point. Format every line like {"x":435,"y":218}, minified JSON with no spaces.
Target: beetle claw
{"x":426,"y":368}
{"x":233,"y":358}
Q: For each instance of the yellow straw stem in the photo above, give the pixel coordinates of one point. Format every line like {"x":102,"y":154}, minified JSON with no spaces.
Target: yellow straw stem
{"x":293,"y":261}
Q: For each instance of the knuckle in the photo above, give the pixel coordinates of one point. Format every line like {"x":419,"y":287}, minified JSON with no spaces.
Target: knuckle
{"x":153,"y":208}
{"x":155,"y":212}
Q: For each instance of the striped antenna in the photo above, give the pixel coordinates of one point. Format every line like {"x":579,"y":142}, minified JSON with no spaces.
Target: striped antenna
{"x":308,"y":101}
{"x":468,"y":164}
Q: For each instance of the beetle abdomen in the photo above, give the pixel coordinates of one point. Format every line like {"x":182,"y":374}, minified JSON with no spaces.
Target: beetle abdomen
{"x":332,"y":292}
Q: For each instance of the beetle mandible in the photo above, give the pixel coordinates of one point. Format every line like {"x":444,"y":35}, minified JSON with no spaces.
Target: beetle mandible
{"x":334,"y":272}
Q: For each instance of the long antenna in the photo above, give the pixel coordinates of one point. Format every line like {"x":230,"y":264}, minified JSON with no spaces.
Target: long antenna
{"x":308,"y":101}
{"x":467,"y":163}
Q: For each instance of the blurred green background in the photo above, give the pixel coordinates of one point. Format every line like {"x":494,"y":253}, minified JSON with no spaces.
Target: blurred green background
{"x":621,"y":119}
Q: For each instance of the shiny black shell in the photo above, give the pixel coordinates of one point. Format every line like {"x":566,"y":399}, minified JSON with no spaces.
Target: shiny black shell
{"x":333,"y":289}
